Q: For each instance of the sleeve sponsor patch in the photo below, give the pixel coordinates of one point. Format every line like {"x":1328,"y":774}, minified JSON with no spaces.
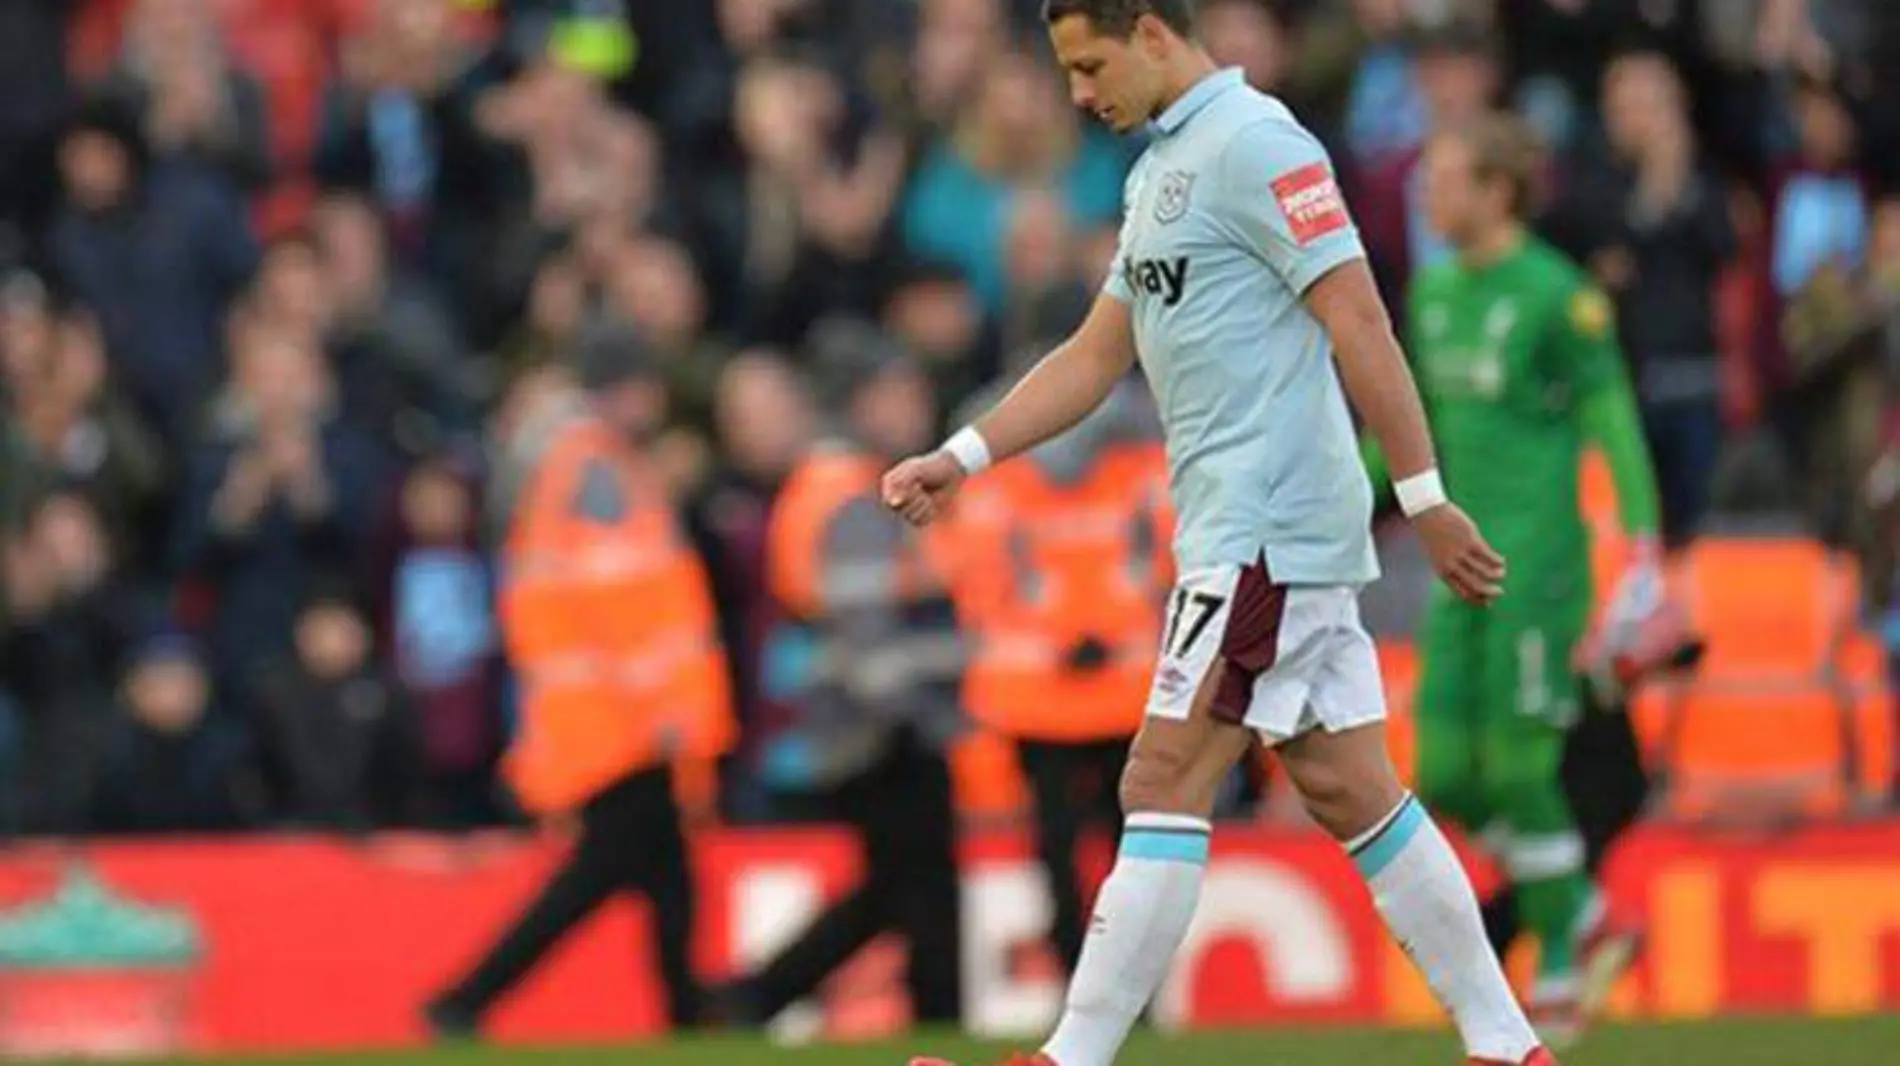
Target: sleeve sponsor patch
{"x":1311,"y":201}
{"x":1590,"y":313}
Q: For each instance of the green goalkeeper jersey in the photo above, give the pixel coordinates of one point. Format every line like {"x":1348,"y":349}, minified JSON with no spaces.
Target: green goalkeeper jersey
{"x":1519,"y":368}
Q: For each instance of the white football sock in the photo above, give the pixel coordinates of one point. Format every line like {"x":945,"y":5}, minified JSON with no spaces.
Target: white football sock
{"x":1141,"y":915}
{"x":1427,"y":902}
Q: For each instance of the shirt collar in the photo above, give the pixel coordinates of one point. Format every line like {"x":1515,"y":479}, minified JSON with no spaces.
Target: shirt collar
{"x":1203,"y":93}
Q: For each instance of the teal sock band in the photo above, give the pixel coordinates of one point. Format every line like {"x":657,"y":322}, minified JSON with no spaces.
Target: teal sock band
{"x":1165,"y":845}
{"x":1376,"y":854}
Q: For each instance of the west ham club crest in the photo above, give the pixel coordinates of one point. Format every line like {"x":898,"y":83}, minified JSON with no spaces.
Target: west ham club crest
{"x":1171,"y":202}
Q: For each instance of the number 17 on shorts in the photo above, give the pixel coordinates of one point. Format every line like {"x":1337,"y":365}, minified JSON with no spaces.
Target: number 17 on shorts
{"x":1291,"y":658}
{"x":1191,"y":638}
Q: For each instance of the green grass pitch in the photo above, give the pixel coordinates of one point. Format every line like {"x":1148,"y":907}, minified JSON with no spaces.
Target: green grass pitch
{"x":1765,"y":1042}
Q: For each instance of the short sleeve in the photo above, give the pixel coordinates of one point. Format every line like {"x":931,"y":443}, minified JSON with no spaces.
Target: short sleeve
{"x":1279,"y":190}
{"x":1115,"y":286}
{"x":1588,"y":357}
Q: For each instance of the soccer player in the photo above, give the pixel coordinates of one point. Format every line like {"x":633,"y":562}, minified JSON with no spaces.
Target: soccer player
{"x":1241,"y":285}
{"x":1518,"y":363}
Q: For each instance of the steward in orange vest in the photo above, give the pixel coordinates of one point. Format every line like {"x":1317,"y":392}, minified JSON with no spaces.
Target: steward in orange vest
{"x":609,"y":626}
{"x":1065,"y":568}
{"x":871,"y":662}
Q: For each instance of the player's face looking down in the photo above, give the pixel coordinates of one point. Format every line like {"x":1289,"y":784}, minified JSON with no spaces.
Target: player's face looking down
{"x":1120,"y":81}
{"x":1459,"y":204}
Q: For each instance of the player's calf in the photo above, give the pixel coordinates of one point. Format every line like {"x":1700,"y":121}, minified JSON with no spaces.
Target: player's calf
{"x":1417,"y":882}
{"x":1346,"y":779}
{"x":1143,"y":910}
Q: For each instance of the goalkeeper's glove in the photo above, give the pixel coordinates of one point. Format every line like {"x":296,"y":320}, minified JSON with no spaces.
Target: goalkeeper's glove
{"x":1643,"y":631}
{"x":1641,"y":592}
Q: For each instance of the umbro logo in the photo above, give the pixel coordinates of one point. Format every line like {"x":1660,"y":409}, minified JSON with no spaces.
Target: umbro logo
{"x":1171,"y":680}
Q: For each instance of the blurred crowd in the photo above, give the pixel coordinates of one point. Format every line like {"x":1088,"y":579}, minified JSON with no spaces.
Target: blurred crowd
{"x":273,"y":269}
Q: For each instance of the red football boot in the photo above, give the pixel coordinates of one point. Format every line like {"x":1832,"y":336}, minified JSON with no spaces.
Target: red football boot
{"x":1040,"y":1059}
{"x":1538,"y":1057}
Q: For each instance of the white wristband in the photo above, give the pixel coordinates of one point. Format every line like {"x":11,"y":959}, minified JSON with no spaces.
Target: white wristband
{"x":969,"y":449}
{"x":1420,"y":493}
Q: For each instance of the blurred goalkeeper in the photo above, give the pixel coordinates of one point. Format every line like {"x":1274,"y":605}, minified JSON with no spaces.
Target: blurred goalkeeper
{"x":1517,"y":360}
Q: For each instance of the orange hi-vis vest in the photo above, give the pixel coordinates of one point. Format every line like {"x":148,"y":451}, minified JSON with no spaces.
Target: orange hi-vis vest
{"x":819,"y":487}
{"x":609,"y":623}
{"x":1046,"y":566}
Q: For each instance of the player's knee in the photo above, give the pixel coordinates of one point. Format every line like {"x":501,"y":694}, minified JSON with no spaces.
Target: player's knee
{"x":1346,"y":803}
{"x":1330,"y":798}
{"x":1158,"y":779}
{"x":1346,"y":780}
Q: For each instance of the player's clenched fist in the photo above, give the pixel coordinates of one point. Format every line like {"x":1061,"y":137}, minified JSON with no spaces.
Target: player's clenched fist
{"x":919,"y":487}
{"x":1460,"y":555}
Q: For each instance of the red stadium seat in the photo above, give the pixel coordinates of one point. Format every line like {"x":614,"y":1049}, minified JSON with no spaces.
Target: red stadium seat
{"x":1788,"y":714}
{"x":1762,"y":753}
{"x":1771,"y":609}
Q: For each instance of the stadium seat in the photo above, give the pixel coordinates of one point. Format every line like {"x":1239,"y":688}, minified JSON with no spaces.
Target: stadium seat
{"x":1761,"y":752}
{"x":1771,"y":609}
{"x":1790,"y":713}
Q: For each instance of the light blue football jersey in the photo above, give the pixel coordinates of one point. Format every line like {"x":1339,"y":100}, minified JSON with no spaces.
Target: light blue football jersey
{"x":1230,"y":215}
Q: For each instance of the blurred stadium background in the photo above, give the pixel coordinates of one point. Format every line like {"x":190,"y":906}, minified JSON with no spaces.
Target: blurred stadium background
{"x":249,"y":745}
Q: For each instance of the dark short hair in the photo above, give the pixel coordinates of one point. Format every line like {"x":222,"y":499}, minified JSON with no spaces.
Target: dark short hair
{"x":1117,"y":18}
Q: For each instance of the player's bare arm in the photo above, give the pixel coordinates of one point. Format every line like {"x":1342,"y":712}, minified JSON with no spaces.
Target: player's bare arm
{"x":1373,"y":370}
{"x":1068,"y":383}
